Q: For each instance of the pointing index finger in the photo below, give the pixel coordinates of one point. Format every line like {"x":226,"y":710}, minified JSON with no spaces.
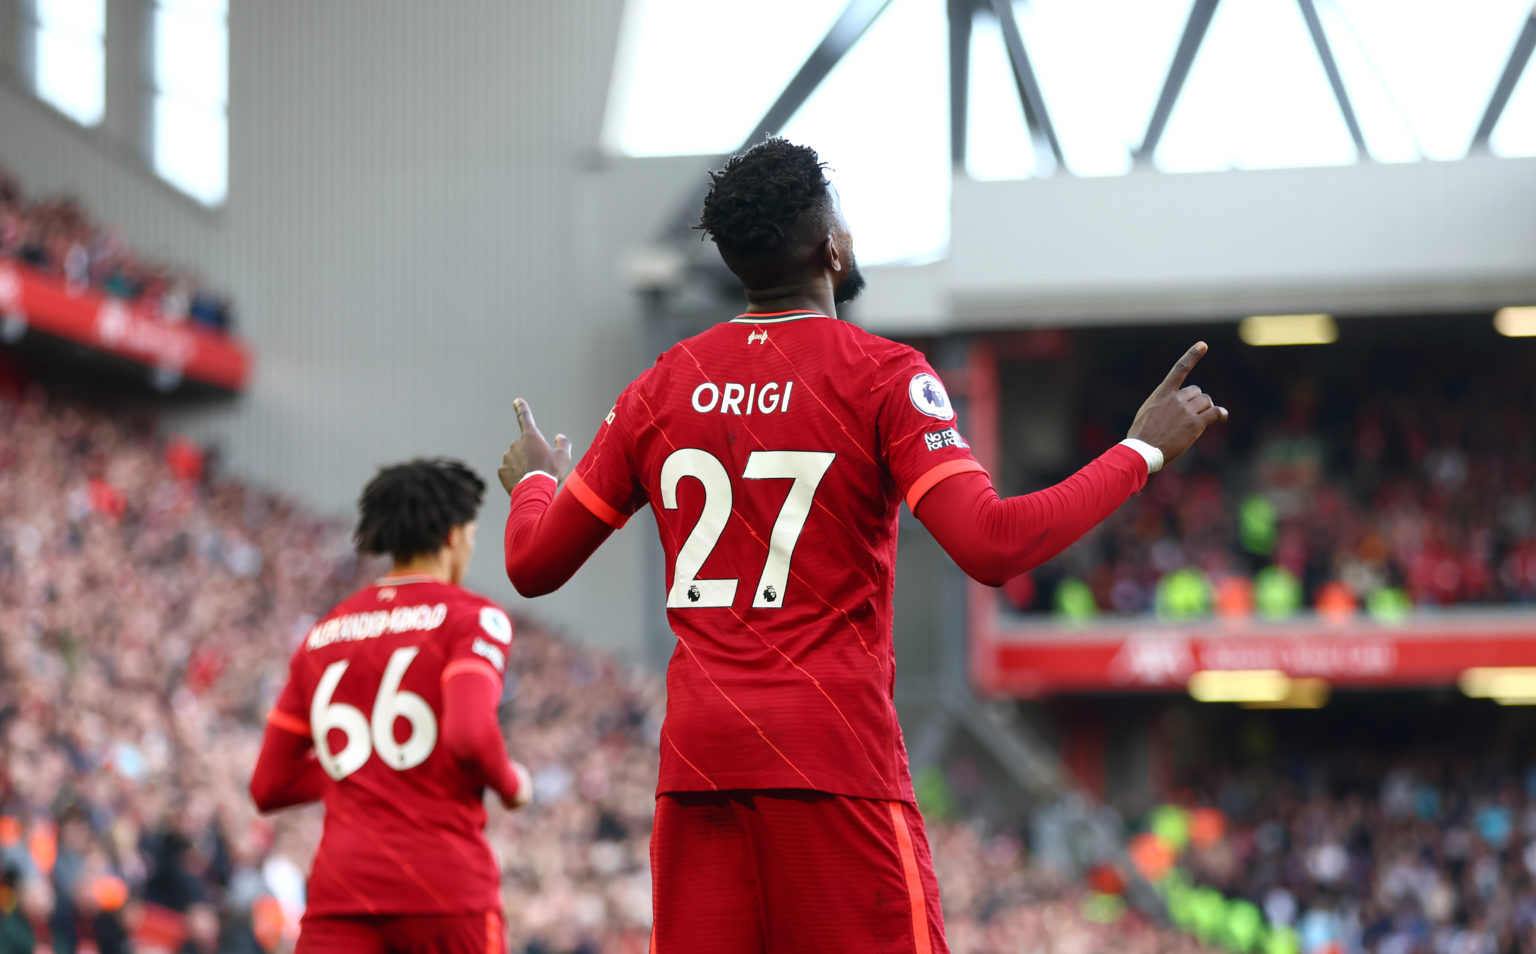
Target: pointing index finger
{"x":524,"y":416}
{"x":1184,"y":365}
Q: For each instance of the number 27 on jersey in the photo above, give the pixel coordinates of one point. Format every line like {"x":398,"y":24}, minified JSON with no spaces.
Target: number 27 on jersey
{"x":805,"y":468}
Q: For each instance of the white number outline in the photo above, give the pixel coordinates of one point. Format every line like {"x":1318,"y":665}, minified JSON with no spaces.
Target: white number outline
{"x":805,"y":468}
{"x":367,"y":735}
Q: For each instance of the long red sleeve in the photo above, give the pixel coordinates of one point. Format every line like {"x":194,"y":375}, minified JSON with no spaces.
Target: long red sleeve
{"x":995,"y":539}
{"x":287,"y":773}
{"x":548,"y":537}
{"x":470,"y":730}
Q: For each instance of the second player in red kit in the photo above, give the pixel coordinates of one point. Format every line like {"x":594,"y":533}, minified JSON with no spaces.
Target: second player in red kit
{"x":775,"y":449}
{"x":389,"y":718}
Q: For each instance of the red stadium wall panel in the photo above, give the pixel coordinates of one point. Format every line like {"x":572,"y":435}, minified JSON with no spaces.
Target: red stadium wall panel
{"x":1012,"y":657}
{"x":45,"y":304}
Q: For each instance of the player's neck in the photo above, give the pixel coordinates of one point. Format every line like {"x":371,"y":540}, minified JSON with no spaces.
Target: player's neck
{"x":796,"y":297}
{"x":435,"y":566}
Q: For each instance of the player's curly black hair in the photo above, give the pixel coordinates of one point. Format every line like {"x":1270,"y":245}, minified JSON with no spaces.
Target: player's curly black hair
{"x":407,"y":509}
{"x":757,"y":202}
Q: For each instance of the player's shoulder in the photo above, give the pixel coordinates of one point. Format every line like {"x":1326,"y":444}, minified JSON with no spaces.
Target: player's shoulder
{"x":642,"y":381}
{"x":883,"y":349}
{"x":363,"y":600}
{"x":460,"y":596}
{"x":682,"y":357}
{"x":686,"y":349}
{"x":472,"y":609}
{"x":466,"y":601}
{"x":897,"y":368}
{"x":873,"y":360}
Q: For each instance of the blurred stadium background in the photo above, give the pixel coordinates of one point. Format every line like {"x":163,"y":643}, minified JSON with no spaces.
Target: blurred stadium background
{"x":1278,"y":703}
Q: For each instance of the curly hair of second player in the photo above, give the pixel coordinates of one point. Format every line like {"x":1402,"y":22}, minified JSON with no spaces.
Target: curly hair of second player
{"x":407,"y":509}
{"x":757,"y":202}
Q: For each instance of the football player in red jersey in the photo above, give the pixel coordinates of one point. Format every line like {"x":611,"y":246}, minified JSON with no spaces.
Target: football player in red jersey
{"x":775,"y":449}
{"x":389,"y":718}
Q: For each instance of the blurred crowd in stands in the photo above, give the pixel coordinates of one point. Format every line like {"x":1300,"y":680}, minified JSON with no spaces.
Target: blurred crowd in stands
{"x":1400,"y":500}
{"x":997,"y":902}
{"x":1353,"y":851}
{"x":147,"y":611}
{"x":58,"y":236}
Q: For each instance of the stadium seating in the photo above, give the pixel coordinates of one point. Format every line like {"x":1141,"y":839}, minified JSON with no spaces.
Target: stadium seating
{"x":1350,"y":851}
{"x":58,"y":237}
{"x":1405,"y":499}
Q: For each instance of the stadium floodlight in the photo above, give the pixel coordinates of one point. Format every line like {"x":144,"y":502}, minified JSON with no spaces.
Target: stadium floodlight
{"x":1516,"y":322}
{"x":1267,"y":330}
{"x":1305,"y":693}
{"x":1507,"y":685}
{"x":1240,"y":685}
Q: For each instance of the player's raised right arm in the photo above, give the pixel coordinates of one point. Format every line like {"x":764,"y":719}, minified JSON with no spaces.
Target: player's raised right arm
{"x":994,"y":539}
{"x":549,"y":536}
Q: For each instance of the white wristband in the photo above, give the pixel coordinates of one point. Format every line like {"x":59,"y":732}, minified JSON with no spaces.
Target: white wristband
{"x":1150,"y":454}
{"x":545,"y":473}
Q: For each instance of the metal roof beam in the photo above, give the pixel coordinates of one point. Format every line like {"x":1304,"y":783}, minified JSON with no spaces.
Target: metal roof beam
{"x":855,"y":21}
{"x":1042,"y":130}
{"x":962,"y":14}
{"x":1335,"y":80}
{"x":1513,"y":67}
{"x":1178,"y":71}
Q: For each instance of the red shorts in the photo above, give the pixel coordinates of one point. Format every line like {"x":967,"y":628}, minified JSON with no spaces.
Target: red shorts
{"x":479,"y":933}
{"x":770,"y":872}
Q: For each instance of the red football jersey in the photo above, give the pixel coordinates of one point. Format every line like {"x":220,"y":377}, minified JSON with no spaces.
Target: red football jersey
{"x":404,"y":823}
{"x":775,"y":451}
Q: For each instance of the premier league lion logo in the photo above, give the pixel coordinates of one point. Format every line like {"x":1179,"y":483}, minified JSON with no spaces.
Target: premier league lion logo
{"x":928,"y":395}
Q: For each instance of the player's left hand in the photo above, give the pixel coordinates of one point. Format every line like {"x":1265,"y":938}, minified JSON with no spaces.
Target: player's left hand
{"x":524,"y":788}
{"x":531,"y":452}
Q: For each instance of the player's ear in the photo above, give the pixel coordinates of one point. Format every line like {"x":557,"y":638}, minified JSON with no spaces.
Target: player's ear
{"x":831,"y":257}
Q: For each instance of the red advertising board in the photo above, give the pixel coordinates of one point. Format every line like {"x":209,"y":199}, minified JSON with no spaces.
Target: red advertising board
{"x":33,"y":301}
{"x":1132,"y":657}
